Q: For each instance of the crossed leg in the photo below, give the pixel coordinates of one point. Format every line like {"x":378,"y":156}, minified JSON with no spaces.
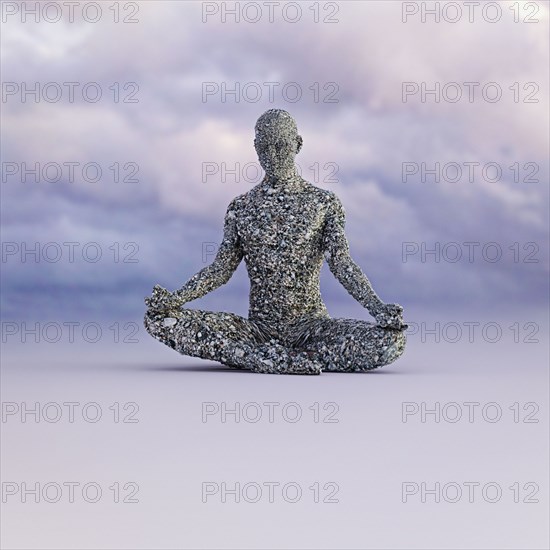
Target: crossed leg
{"x":228,"y":339}
{"x":337,"y":345}
{"x":350,"y":345}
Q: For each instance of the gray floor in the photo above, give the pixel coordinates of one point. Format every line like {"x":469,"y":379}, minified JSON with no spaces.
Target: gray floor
{"x":354,"y":444}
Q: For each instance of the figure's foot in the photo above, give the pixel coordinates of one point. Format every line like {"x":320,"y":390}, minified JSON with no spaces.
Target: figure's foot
{"x":302,"y":363}
{"x":266,"y":366}
{"x":276,"y":359}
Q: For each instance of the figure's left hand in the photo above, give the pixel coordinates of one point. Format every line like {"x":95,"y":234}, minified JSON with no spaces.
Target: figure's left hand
{"x":391,"y":316}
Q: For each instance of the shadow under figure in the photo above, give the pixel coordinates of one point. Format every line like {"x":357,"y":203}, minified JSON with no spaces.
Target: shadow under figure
{"x":283,"y":228}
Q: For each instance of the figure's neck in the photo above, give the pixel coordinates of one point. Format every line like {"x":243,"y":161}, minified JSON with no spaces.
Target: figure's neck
{"x":289,"y":178}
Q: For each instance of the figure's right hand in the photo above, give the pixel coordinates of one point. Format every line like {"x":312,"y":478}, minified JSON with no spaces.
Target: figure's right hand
{"x":162,"y":300}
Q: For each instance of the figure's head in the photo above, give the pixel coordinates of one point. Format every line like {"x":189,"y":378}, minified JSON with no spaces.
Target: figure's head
{"x":277,"y":142}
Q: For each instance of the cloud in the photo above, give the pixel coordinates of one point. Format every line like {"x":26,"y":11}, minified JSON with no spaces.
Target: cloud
{"x":367,"y":135}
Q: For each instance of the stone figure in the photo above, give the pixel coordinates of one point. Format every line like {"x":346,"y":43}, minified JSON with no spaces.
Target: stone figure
{"x":284,"y":228}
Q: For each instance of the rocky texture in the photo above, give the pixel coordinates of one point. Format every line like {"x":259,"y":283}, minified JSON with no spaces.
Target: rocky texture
{"x":284,"y":228}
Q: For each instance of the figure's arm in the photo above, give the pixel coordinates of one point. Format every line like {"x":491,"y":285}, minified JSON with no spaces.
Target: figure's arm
{"x":341,"y":264}
{"x":348,"y":273}
{"x":225,"y":263}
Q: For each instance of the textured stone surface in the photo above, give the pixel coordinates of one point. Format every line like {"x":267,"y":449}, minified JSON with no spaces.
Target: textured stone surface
{"x":283,"y":228}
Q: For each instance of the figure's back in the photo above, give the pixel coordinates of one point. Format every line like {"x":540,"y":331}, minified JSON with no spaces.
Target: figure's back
{"x":280,"y":232}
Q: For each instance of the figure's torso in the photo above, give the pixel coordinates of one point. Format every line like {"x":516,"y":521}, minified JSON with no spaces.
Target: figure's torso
{"x":280,"y":232}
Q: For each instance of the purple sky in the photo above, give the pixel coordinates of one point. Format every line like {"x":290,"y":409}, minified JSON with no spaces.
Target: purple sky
{"x":367,"y":133}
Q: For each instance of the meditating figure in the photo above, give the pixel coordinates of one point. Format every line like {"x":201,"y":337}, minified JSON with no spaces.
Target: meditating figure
{"x":283,"y":228}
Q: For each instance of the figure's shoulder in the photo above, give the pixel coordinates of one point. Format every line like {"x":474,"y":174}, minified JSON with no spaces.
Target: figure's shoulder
{"x":237,"y":203}
{"x":328,"y":198}
{"x":319,"y":194}
{"x":332,"y":205}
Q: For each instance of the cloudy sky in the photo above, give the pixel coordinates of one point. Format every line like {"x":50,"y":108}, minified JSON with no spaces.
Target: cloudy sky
{"x":167,"y":119}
